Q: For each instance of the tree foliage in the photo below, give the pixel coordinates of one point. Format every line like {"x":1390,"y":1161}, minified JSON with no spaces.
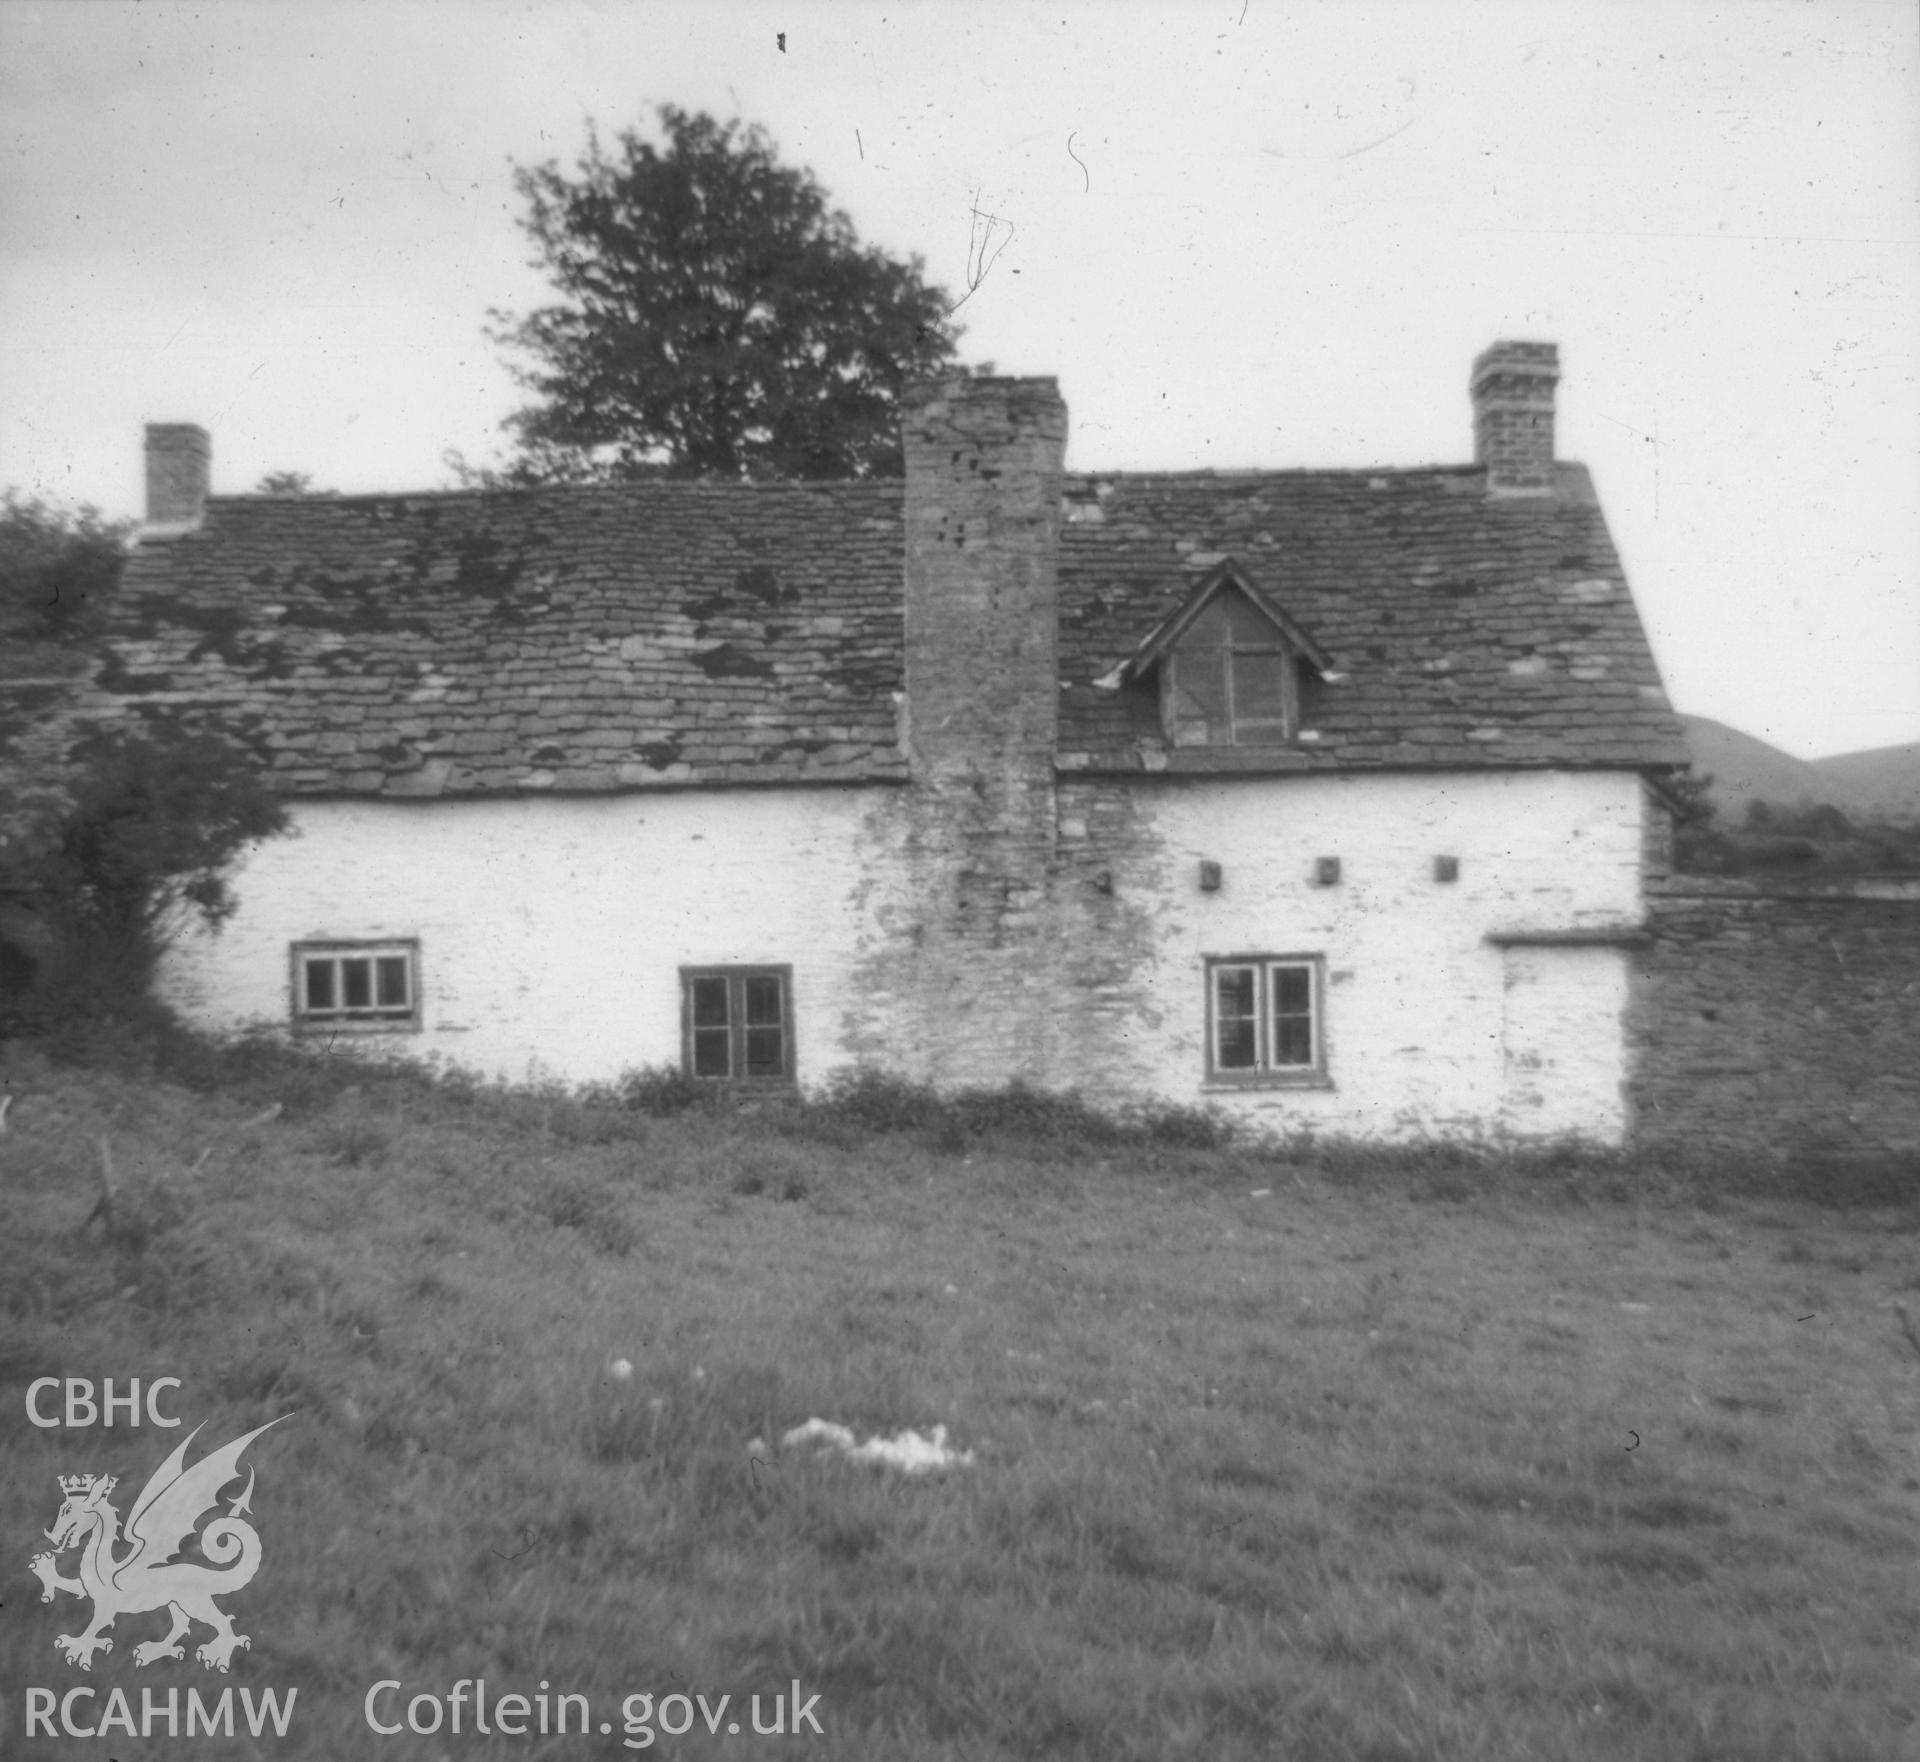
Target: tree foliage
{"x":289,"y":483}
{"x":1691,"y":793}
{"x":58,"y":569}
{"x":138,"y":847}
{"x":58,"y":574}
{"x":1814,"y":840}
{"x":716,"y":318}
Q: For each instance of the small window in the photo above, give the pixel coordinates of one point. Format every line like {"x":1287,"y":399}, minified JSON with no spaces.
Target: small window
{"x":356,"y":985}
{"x":739,"y":1023}
{"x":1263,"y":1018}
{"x":1231,"y":679}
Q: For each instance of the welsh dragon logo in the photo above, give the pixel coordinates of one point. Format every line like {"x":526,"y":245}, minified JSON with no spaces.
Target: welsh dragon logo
{"x":148,"y":1576}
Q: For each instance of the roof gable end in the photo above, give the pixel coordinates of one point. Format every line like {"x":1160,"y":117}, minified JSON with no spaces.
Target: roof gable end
{"x":1226,"y":576}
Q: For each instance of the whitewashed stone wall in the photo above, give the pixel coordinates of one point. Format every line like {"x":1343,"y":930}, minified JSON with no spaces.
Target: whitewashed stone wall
{"x":552,"y":932}
{"x":1563,"y":1043}
{"x":1420,"y":1033}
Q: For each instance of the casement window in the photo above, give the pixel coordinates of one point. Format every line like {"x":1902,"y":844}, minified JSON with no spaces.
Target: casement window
{"x":738,"y":1023}
{"x":1264,"y":1019}
{"x":356,"y":985}
{"x":1231,"y":679}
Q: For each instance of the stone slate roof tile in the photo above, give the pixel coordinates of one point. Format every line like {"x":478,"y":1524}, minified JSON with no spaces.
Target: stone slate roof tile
{"x":668,"y":634}
{"x":1465,"y":630}
{"x":590,"y":639}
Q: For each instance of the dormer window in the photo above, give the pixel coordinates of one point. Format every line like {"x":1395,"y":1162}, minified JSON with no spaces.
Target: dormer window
{"x":1231,"y":679}
{"x":1229,"y":664}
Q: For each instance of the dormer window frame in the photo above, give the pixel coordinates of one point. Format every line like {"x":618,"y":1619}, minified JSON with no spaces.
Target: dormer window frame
{"x":1161,"y":652}
{"x":1233,"y":683}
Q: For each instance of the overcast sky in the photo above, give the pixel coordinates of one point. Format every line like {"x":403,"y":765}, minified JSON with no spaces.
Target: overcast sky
{"x":1240,"y":234}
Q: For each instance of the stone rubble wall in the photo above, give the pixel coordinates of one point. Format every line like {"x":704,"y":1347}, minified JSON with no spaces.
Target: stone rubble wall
{"x":1771,"y":1019}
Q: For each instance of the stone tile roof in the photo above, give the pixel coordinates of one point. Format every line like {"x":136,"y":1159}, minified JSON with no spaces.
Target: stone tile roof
{"x":1465,"y":630}
{"x":677,"y":633}
{"x":564,"y":639}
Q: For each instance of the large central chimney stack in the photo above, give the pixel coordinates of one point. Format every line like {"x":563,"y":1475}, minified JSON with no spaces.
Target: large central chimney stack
{"x":984,"y":459}
{"x":1512,"y":389}
{"x":179,"y":468}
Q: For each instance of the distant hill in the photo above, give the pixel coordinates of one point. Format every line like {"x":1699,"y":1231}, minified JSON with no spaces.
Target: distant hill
{"x":1885,"y":780}
{"x":1882,"y":784}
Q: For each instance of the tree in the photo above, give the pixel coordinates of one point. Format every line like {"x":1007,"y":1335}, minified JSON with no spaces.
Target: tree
{"x":58,"y":570}
{"x":716,"y":318}
{"x":289,"y":483}
{"x":58,"y":574}
{"x":136,"y":847}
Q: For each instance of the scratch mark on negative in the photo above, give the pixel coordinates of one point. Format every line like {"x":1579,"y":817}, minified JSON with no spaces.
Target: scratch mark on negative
{"x":1075,"y":157}
{"x":1380,"y":141}
{"x":862,"y":145}
{"x":980,"y":258}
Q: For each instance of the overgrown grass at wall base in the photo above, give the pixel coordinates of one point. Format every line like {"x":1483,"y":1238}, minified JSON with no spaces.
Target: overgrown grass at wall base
{"x":144,"y":1040}
{"x":876,"y":1102}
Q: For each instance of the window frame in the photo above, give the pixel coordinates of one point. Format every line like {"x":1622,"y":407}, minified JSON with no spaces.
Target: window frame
{"x":342,"y":1018}
{"x":736,"y":978}
{"x":1264,"y":1073}
{"x":1223,"y":658}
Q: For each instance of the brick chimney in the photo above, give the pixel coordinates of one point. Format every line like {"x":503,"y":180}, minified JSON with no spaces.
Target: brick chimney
{"x":984,"y":459}
{"x":179,"y":466}
{"x":1512,"y":387}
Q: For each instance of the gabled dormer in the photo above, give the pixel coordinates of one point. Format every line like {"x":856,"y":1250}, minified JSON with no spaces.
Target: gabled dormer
{"x":1229,"y":665}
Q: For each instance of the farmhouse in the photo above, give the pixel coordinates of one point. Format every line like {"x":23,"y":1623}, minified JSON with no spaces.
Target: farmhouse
{"x":1326,"y":797}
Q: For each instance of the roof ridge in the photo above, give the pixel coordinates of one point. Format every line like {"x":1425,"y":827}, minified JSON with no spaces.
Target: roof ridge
{"x":675,"y":485}
{"x":1217,"y":474}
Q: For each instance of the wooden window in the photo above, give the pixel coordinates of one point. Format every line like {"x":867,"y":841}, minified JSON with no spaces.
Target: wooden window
{"x":1264,"y":1019}
{"x":738,"y":1023}
{"x":1231,"y":679}
{"x":356,"y":985}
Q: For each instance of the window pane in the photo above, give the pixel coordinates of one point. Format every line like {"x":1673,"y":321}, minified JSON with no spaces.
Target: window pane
{"x":1233,"y":991}
{"x":711,"y":1057}
{"x":1236,"y":1035}
{"x":356,"y":983}
{"x":1292,"y":1016}
{"x":1237,"y":1048}
{"x":392,"y":975}
{"x":1200,"y":697}
{"x":766,"y":1052}
{"x":1259,"y":697}
{"x":763,"y":1002}
{"x":320,"y":991}
{"x":710,"y":1003}
{"x":1293,"y":1041}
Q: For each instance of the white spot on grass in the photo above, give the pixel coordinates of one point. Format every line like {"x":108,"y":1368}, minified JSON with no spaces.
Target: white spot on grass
{"x":909,"y":1451}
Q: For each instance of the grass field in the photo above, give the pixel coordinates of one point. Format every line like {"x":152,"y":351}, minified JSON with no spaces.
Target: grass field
{"x":1286,"y":1457}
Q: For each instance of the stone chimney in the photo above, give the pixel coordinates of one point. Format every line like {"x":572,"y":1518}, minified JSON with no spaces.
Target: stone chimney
{"x":179,"y":466}
{"x":984,"y":459}
{"x":1512,"y":389}
{"x":969,"y":991}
